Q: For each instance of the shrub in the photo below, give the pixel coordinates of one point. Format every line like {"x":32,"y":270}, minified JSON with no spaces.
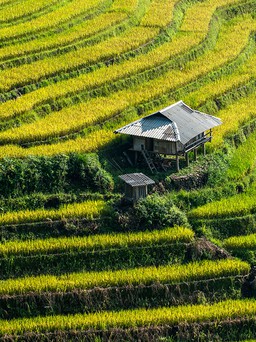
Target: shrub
{"x":217,"y":170}
{"x":52,"y":174}
{"x":157,"y":211}
{"x":86,"y":171}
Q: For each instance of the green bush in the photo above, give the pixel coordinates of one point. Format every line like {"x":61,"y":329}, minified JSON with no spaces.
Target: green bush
{"x":217,"y":169}
{"x":55,"y":174}
{"x":86,"y":171}
{"x":157,"y":211}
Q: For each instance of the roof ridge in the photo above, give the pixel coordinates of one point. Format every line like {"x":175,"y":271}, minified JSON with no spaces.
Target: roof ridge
{"x":173,"y":105}
{"x":212,"y":116}
{"x":175,"y":130}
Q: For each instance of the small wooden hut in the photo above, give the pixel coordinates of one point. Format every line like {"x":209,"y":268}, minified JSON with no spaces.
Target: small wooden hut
{"x":174,"y":130}
{"x":136,"y":186}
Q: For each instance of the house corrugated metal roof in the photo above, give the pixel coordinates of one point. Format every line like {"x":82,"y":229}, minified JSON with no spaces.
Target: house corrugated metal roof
{"x":136,"y":179}
{"x":177,"y":122}
{"x":154,"y":126}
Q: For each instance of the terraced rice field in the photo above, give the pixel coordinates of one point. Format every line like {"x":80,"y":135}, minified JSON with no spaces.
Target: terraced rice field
{"x":73,"y":71}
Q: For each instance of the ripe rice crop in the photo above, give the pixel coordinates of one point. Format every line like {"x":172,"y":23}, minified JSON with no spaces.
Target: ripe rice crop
{"x":218,"y":87}
{"x":23,"y":9}
{"x":157,"y":56}
{"x":224,"y":310}
{"x":79,"y":116}
{"x":238,"y":205}
{"x":159,"y":9}
{"x":246,"y":109}
{"x":243,"y":159}
{"x":240,"y":242}
{"x":7,"y":2}
{"x":143,"y":275}
{"x":81,"y":31}
{"x":128,"y":14}
{"x":127,"y":6}
{"x":27,"y":73}
{"x":70,"y":10}
{"x":97,"y":78}
{"x":92,"y":142}
{"x":87,"y":209}
{"x":97,"y":242}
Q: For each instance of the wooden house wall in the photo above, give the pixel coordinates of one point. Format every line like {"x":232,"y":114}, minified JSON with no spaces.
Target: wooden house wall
{"x":138,"y":142}
{"x":167,"y":147}
{"x":139,"y":192}
{"x":133,"y":194}
{"x":156,"y":145}
{"x":128,"y":192}
{"x":161,"y":146}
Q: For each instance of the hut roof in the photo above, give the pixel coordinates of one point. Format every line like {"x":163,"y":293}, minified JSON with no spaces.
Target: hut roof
{"x":177,"y":122}
{"x":136,"y":179}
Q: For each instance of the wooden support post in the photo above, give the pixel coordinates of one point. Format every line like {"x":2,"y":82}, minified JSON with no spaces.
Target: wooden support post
{"x":177,"y":158}
{"x":135,"y":158}
{"x":195,"y":154}
{"x":136,"y":195}
{"x":187,"y":158}
{"x":128,"y":158}
{"x":177,"y":163}
{"x":210,"y":135}
{"x":204,"y":151}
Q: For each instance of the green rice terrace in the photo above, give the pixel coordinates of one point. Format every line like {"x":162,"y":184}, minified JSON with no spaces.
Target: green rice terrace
{"x":86,"y":90}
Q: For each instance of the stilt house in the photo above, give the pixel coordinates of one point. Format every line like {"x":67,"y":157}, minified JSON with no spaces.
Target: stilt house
{"x":174,"y":130}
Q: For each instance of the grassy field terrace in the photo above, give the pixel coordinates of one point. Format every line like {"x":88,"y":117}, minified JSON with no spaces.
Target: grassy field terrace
{"x":77,"y":261}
